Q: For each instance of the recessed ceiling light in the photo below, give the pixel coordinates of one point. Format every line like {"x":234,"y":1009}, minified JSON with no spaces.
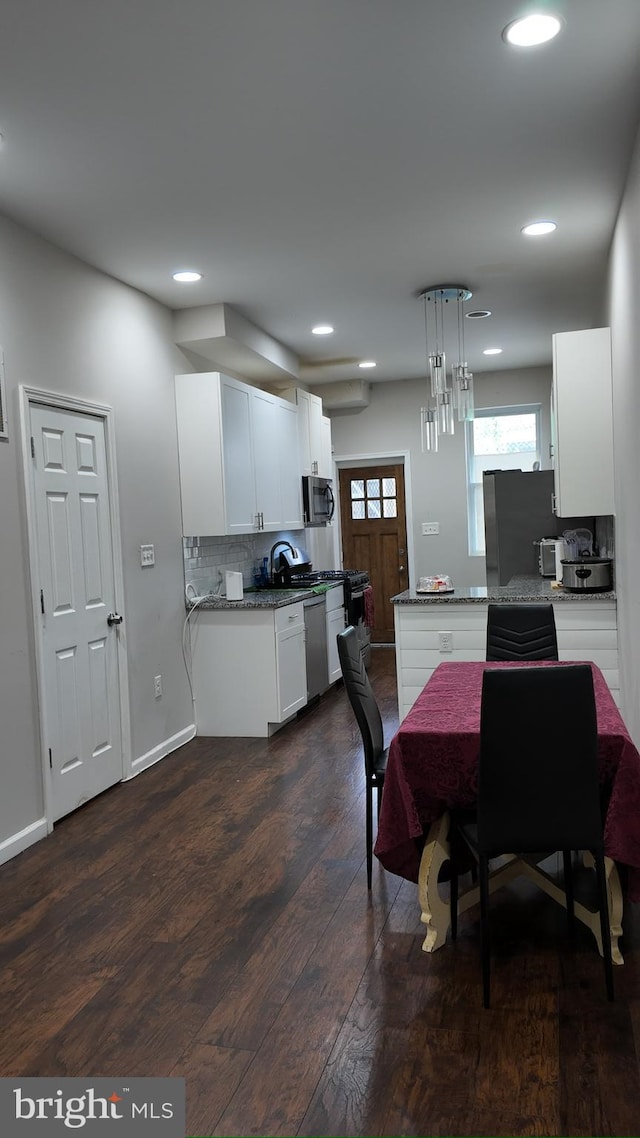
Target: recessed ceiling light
{"x":538,"y":228}
{"x":367,"y":363}
{"x":186,"y":275}
{"x":532,"y":30}
{"x":322,"y":330}
{"x":479,"y":314}
{"x":491,"y":351}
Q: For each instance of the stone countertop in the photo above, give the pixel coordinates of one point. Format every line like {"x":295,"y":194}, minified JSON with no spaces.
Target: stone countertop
{"x":260,"y":598}
{"x":519,"y":589}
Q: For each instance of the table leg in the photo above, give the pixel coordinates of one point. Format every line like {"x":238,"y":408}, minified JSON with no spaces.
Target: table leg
{"x":435,"y":912}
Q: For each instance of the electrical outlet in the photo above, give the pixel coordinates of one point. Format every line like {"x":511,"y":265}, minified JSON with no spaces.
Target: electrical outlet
{"x":147,"y":555}
{"x":445,"y":641}
{"x":157,"y":686}
{"x":430,"y":527}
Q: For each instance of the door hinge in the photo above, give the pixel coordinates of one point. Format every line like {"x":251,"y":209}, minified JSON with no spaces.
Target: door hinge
{"x":33,"y":447}
{"x":42,"y":602}
{"x":50,"y":759}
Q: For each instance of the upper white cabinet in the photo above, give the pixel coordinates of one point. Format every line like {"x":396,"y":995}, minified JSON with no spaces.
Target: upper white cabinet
{"x":325,"y":467}
{"x":582,"y":423}
{"x":312,"y":433}
{"x":238,"y":456}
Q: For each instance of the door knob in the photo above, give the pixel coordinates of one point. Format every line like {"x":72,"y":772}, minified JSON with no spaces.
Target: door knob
{"x":114,"y":618}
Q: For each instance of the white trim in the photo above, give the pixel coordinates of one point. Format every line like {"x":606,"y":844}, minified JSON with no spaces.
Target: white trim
{"x":4,"y":410}
{"x":21,"y":841}
{"x":28,"y":395}
{"x":161,"y":751}
{"x":382,"y":458}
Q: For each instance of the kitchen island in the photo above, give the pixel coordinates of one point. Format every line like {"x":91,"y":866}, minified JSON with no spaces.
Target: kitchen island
{"x":433,"y":627}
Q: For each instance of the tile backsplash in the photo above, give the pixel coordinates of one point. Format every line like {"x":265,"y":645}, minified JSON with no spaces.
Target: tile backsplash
{"x":206,"y":559}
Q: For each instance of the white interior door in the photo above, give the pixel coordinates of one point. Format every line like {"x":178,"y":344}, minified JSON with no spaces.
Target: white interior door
{"x":75,"y":563}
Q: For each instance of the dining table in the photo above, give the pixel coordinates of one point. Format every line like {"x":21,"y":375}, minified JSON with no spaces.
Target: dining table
{"x":433,"y":768}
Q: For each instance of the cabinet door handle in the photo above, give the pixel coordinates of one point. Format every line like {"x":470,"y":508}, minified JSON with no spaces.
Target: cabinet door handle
{"x":550,"y":450}
{"x":553,"y":504}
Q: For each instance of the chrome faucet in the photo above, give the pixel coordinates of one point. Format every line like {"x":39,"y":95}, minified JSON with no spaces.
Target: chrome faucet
{"x":273,"y":548}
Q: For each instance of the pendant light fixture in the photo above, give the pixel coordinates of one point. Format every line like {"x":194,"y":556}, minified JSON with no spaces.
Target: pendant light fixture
{"x":450,"y":393}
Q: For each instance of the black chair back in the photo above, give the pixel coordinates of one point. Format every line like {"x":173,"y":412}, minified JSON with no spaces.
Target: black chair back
{"x":361,"y":697}
{"x":538,"y":774}
{"x":521,"y":632}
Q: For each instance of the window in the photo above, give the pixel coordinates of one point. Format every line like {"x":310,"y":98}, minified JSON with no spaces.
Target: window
{"x":501,"y":438}
{"x":373,"y":498}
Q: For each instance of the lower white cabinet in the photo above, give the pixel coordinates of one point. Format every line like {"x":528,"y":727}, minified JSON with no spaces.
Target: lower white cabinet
{"x":249,"y":671}
{"x":335,"y":624}
{"x":586,"y":630}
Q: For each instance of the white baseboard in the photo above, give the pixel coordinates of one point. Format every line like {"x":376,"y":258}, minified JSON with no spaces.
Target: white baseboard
{"x":161,"y":751}
{"x":14,"y":845}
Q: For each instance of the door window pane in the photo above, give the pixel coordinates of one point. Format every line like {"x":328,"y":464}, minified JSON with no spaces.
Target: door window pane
{"x":373,"y":498}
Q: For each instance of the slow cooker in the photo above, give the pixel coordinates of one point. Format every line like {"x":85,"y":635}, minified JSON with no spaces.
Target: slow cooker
{"x":586,"y":574}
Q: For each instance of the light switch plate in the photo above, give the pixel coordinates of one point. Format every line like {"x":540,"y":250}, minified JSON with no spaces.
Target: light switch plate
{"x":430,"y":527}
{"x":147,"y":555}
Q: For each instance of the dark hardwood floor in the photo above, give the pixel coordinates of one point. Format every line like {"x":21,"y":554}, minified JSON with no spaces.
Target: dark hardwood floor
{"x":210,"y":919}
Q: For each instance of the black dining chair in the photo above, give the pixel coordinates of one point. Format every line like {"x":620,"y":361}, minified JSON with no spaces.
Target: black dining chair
{"x":369,"y":720}
{"x":521,"y":632}
{"x":537,"y":786}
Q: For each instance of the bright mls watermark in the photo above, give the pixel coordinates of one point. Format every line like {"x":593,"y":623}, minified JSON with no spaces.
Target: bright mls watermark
{"x":129,"y":1108}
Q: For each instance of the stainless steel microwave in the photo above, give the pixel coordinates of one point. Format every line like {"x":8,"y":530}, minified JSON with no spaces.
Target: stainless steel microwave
{"x":318,"y":501}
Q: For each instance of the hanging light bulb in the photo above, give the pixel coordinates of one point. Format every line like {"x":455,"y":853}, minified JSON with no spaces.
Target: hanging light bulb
{"x":446,"y":413}
{"x":462,"y":378}
{"x":465,"y":396}
{"x":451,"y":396}
{"x":428,"y":429}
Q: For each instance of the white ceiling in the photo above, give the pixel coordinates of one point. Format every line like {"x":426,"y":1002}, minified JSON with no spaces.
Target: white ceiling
{"x":323,"y":160}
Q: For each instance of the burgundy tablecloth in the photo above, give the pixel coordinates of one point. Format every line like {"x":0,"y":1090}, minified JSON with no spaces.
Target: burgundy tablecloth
{"x":433,"y":765}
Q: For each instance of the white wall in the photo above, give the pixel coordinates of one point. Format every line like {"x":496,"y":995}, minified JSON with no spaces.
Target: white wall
{"x":624,"y":291}
{"x":438,"y":481}
{"x":67,"y":328}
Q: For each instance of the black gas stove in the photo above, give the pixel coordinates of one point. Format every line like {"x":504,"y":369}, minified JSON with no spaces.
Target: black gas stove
{"x":355,"y":580}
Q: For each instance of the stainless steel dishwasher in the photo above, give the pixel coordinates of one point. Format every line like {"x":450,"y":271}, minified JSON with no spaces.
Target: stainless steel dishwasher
{"x":315,"y":644}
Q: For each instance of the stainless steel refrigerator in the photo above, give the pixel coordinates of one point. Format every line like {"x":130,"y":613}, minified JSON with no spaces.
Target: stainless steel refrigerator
{"x":517,"y":513}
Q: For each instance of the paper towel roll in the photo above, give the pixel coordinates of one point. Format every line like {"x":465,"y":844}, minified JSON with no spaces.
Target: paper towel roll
{"x":234,"y":586}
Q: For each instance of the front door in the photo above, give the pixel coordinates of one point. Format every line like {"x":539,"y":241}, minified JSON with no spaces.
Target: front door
{"x":374,"y":536}
{"x":81,"y":704}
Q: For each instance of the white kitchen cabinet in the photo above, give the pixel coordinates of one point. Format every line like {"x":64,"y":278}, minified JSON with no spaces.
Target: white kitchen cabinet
{"x":238,"y":457}
{"x":290,"y":481}
{"x":582,"y":423}
{"x":325,"y":465}
{"x":586,"y":630}
{"x":249,"y":671}
{"x":335,"y":624}
{"x":312,"y":435}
